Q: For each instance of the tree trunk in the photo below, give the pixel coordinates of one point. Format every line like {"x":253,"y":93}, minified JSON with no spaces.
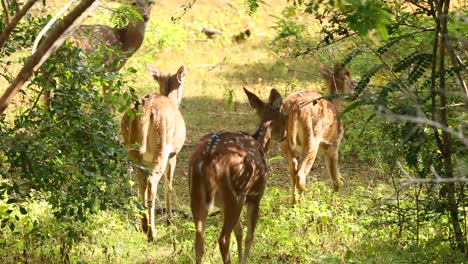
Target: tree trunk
{"x":43,"y":52}
{"x":446,"y":147}
{"x":6,"y":33}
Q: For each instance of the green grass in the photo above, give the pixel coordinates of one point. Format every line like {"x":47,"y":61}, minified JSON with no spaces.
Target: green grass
{"x":344,"y":227}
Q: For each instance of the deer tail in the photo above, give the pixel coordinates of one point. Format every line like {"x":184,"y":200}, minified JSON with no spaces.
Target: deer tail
{"x":143,"y":123}
{"x":292,"y":131}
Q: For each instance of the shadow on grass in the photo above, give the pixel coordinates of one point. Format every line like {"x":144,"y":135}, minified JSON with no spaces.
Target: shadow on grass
{"x":274,"y":72}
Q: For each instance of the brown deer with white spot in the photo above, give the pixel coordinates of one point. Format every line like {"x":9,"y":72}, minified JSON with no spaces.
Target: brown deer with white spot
{"x":228,"y":169}
{"x":313,"y":128}
{"x":123,"y":42}
{"x":154,"y":139}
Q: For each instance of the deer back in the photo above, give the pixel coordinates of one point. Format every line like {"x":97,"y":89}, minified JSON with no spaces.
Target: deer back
{"x":312,"y":119}
{"x":305,"y":119}
{"x":231,"y":162}
{"x":160,"y":128}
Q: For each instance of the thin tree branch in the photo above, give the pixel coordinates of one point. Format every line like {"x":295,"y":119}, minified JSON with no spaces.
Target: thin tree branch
{"x":7,"y":12}
{"x":437,"y":179}
{"x":433,"y":73}
{"x":50,"y":24}
{"x":425,"y":9}
{"x":414,"y":119}
{"x":45,"y":49}
{"x":16,"y":19}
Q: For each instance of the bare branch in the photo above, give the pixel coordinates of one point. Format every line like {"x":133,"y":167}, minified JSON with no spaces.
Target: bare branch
{"x":437,"y":179}
{"x":459,"y":65}
{"x":7,"y":12}
{"x":185,"y":9}
{"x":433,"y":180}
{"x":49,"y":44}
{"x":414,"y":119}
{"x":50,"y":24}
{"x":6,"y":33}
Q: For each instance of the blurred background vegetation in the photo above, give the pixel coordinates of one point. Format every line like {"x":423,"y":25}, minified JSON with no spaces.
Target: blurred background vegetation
{"x":67,"y":196}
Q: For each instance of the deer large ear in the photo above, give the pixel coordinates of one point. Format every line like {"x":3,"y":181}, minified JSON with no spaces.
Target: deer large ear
{"x":181,"y":74}
{"x":275,"y":99}
{"x":153,"y":71}
{"x":254,"y":101}
{"x":326,"y":73}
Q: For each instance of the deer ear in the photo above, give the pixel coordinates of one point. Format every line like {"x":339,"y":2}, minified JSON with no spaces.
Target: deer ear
{"x":254,"y":101}
{"x":275,"y":99}
{"x":326,"y":73}
{"x":153,"y":71}
{"x":181,"y":74}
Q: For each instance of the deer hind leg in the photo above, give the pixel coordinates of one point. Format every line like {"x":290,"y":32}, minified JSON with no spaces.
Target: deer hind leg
{"x":292,"y":162}
{"x":252,"y":220}
{"x":238,"y":232}
{"x":169,"y":177}
{"x":141,"y":182}
{"x":305,"y":164}
{"x":331,"y":161}
{"x":151,"y":194}
{"x":231,"y":214}
{"x":199,"y":212}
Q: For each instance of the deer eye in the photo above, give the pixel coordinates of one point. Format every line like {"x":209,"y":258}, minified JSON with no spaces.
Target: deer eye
{"x":134,"y":4}
{"x":150,"y":2}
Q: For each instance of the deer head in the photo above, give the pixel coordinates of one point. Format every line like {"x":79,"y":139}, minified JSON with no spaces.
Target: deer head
{"x":339,"y":80}
{"x":170,"y":85}
{"x":269,"y":112}
{"x":134,"y":33}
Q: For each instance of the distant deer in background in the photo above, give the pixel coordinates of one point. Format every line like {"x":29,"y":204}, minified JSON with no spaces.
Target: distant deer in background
{"x":228,"y":169}
{"x":313,"y":128}
{"x":124,"y":42}
{"x":154,"y":139}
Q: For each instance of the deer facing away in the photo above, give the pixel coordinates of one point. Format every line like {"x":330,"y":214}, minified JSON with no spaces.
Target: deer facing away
{"x":314,"y":129}
{"x":228,"y":169}
{"x":159,"y":133}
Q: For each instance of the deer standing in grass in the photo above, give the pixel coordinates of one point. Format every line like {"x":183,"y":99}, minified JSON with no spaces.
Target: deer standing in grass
{"x":123,"y":42}
{"x":154,"y":139}
{"x":228,"y":169}
{"x":313,"y":128}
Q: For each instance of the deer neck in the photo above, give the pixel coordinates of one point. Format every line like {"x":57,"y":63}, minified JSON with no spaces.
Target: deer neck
{"x":176,"y":95}
{"x":333,"y":90}
{"x":133,"y":36}
{"x":263,"y":135}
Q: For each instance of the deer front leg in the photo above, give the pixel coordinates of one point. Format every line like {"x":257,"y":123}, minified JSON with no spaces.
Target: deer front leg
{"x":331,"y":161}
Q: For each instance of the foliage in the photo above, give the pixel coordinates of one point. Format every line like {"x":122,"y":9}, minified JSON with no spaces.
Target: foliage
{"x":125,"y":14}
{"x":68,"y":153}
{"x":403,"y":83}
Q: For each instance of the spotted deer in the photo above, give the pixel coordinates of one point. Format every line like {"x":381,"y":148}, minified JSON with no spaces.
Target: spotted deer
{"x":313,"y":128}
{"x":123,"y":42}
{"x":154,"y":139}
{"x":228,"y":169}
